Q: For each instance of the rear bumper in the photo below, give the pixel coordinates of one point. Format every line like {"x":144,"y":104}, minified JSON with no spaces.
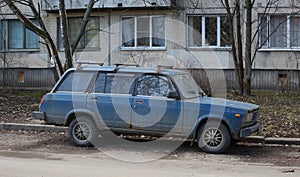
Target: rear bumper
{"x":38,"y":115}
{"x":247,"y":131}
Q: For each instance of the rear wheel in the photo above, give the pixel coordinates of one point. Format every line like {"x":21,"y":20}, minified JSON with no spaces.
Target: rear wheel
{"x":83,"y":132}
{"x":214,"y":137}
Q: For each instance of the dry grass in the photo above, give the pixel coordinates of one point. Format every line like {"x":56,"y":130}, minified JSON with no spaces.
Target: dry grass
{"x":279,"y":114}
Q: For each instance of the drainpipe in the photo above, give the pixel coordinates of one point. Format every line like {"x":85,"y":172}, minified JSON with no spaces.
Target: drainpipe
{"x":109,"y":38}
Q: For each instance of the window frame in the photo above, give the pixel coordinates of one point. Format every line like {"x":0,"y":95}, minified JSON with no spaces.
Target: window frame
{"x":60,"y":40}
{"x":6,"y":34}
{"x":203,"y":31}
{"x":136,"y":47}
{"x":267,"y":45}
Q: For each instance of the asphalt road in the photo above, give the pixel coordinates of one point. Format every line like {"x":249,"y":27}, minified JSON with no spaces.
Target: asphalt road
{"x":36,"y":154}
{"x":31,"y":164}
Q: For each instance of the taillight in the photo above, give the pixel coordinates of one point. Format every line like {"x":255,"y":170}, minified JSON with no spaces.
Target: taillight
{"x":41,"y":101}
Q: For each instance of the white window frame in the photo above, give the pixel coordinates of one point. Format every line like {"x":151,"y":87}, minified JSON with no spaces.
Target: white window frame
{"x":150,"y":47}
{"x":218,"y":36}
{"x":267,"y":45}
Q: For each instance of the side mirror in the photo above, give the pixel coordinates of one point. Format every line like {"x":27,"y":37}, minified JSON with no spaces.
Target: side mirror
{"x":173,"y":94}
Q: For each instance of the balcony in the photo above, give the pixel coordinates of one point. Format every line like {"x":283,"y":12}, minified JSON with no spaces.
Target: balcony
{"x":52,"y":5}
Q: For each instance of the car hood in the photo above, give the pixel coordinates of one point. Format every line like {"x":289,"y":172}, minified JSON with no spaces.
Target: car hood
{"x":228,"y":103}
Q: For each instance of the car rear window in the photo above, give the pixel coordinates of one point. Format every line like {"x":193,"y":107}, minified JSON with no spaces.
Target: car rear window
{"x":75,"y":82}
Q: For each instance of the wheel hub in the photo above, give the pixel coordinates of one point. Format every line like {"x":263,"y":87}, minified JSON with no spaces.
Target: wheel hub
{"x":82,"y":132}
{"x":213,"y":137}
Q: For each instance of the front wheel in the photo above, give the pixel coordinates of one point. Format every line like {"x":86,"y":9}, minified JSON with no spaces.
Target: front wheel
{"x":214,"y":137}
{"x":83,"y":132}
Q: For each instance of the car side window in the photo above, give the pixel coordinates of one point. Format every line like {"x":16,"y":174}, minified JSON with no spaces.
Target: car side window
{"x":100,"y":83}
{"x":154,"y":85}
{"x":119,"y":83}
{"x":75,"y":82}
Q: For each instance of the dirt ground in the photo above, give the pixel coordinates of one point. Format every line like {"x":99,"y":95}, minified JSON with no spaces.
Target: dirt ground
{"x":279,"y":114}
{"x":58,"y":143}
{"x":18,"y":107}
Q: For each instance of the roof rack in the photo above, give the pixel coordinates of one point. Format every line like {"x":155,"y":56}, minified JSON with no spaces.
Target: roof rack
{"x":80,"y":63}
{"x":160,"y":67}
{"x":122,"y":64}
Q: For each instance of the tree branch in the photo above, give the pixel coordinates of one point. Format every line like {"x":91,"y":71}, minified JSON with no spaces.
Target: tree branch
{"x":83,"y":25}
{"x":29,"y":24}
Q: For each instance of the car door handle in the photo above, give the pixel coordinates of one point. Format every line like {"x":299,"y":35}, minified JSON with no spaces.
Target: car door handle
{"x":139,"y":101}
{"x":94,"y":98}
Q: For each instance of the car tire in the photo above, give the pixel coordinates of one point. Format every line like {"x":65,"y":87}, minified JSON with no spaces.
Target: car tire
{"x":83,"y":132}
{"x":214,"y":137}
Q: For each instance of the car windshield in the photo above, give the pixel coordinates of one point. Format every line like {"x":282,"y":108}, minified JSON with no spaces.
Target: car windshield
{"x":188,"y":87}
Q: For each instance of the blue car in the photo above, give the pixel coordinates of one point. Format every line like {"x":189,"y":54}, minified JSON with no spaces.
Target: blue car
{"x":163,"y":101}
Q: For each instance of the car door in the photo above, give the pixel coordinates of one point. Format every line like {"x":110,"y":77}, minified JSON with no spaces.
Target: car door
{"x":111,"y":98}
{"x":152,"y":110}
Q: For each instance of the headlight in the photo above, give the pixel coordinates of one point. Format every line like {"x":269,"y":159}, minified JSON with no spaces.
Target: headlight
{"x":248,"y":117}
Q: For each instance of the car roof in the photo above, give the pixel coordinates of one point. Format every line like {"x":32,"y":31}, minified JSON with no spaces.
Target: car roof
{"x":128,"y":69}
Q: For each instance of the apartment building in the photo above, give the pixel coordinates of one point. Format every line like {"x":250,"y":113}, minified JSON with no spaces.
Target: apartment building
{"x":192,"y":34}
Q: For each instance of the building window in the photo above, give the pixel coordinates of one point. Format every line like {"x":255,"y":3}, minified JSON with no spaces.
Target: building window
{"x":279,"y":31}
{"x":90,"y":38}
{"x":19,"y":37}
{"x":208,"y":31}
{"x":143,"y":32}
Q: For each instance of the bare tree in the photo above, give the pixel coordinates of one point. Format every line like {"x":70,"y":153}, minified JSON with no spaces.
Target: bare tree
{"x":41,"y":30}
{"x":69,"y":47}
{"x":244,"y":63}
{"x":244,"y":37}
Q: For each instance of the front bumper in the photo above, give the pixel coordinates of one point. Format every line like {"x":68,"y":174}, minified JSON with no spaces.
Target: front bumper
{"x":39,"y":115}
{"x":247,"y":131}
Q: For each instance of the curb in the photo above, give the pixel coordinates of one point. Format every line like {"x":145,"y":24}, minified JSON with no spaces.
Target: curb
{"x":279,"y":141}
{"x":284,"y":141}
{"x":39,"y":127}
{"x":31,"y":127}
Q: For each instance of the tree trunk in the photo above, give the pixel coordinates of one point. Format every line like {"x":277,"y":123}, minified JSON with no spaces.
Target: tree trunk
{"x":65,"y":34}
{"x":236,"y":41}
{"x":55,"y":57}
{"x":248,"y":63}
{"x":240,"y":63}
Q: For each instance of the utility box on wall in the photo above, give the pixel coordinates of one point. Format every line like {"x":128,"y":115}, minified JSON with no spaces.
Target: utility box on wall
{"x":282,"y":82}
